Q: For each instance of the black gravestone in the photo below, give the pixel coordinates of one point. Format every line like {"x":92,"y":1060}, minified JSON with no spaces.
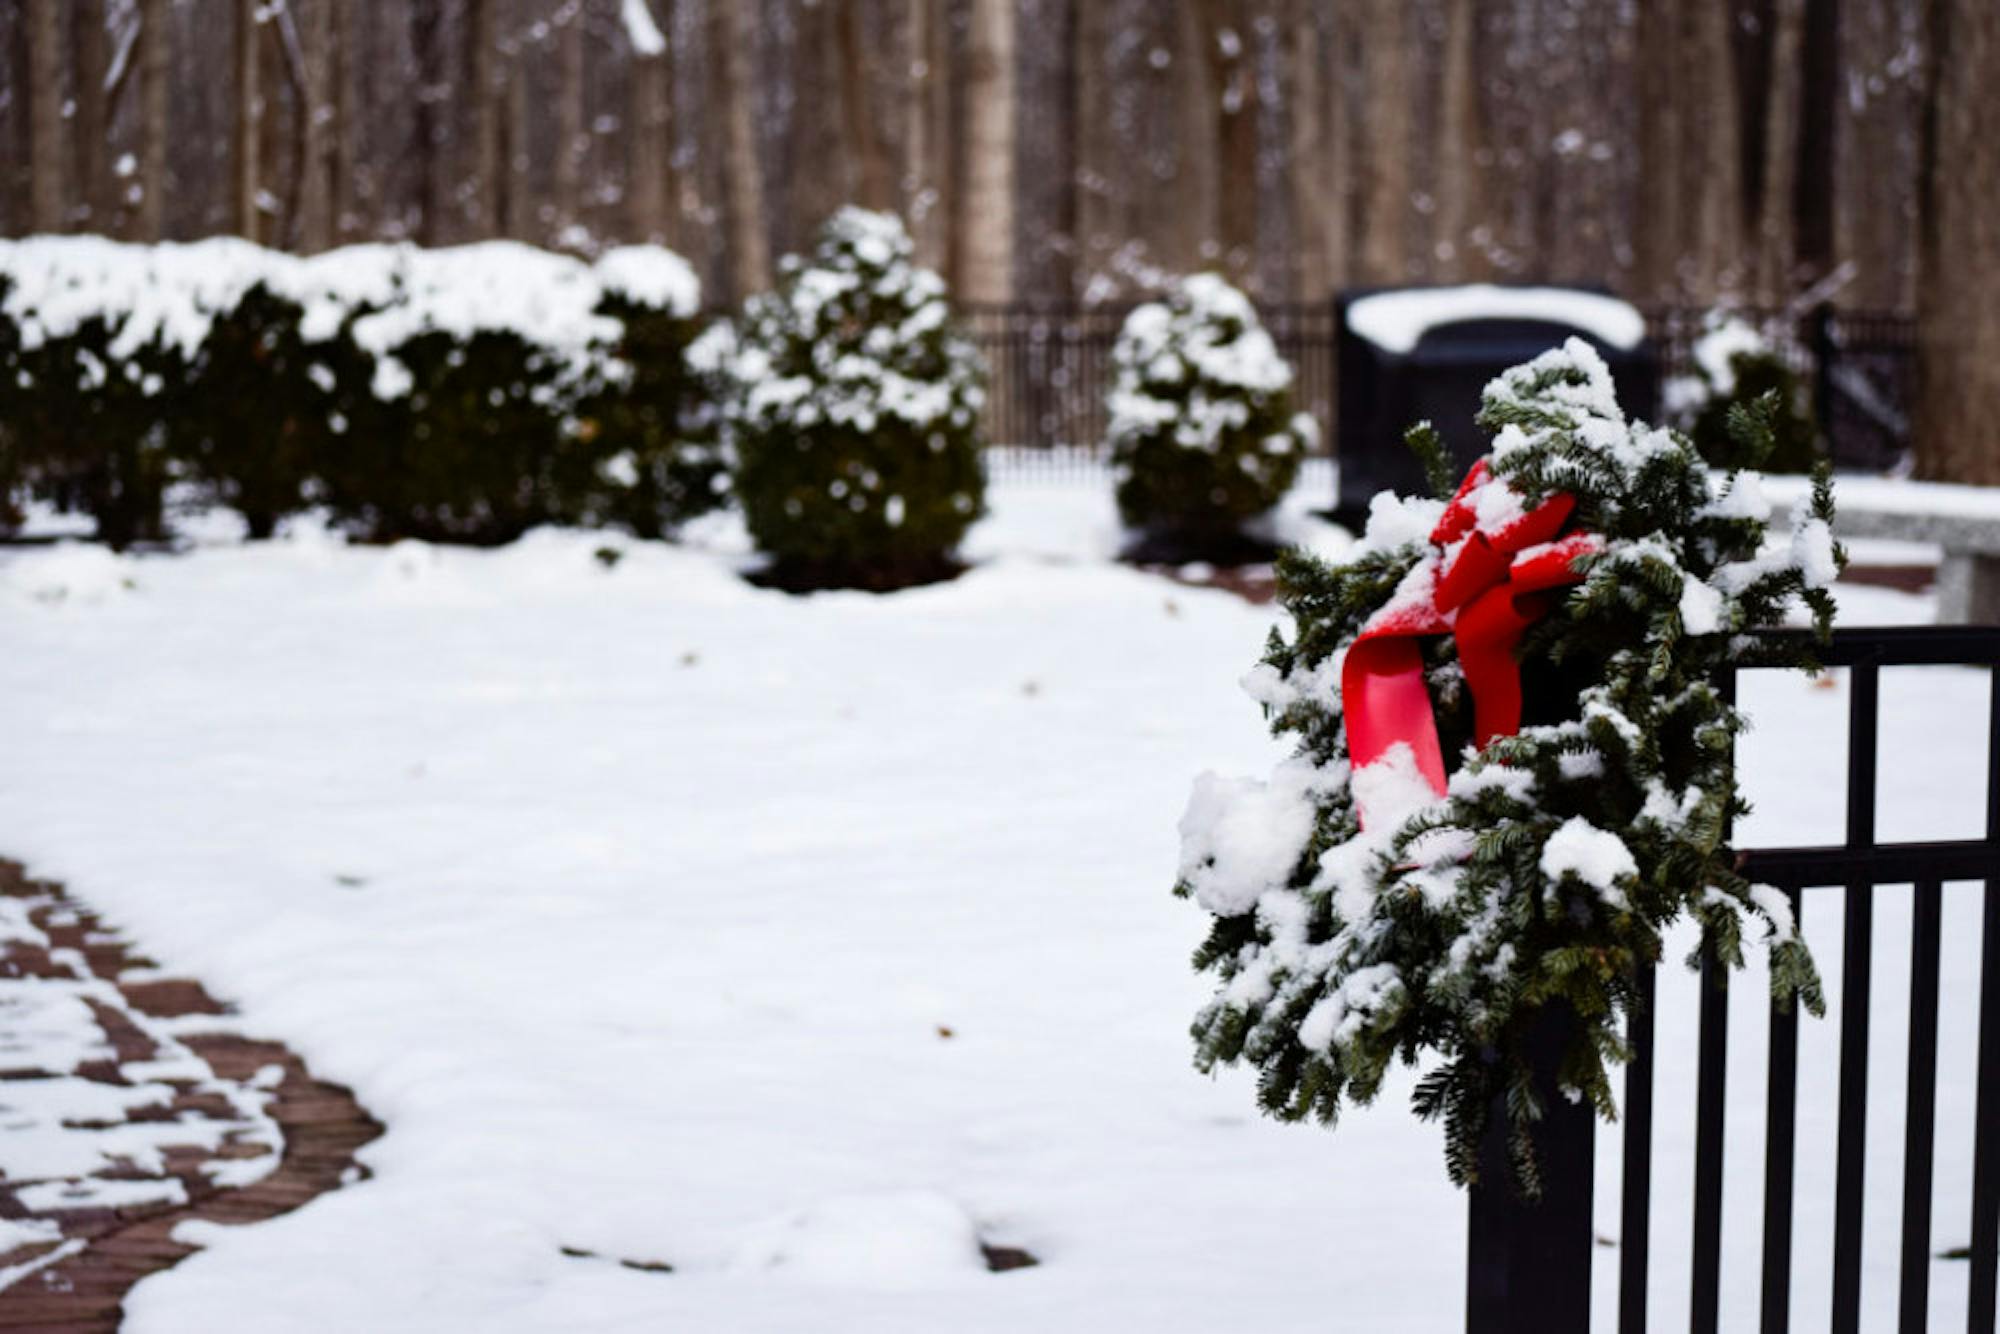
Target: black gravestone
{"x":1383,"y":392}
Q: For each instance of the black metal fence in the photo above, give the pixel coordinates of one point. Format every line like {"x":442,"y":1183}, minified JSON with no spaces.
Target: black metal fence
{"x":1051,"y":364}
{"x":1861,"y":366}
{"x":1854,"y":870}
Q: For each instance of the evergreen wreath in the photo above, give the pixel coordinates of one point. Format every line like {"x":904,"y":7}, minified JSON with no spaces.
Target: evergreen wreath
{"x":1547,"y":868}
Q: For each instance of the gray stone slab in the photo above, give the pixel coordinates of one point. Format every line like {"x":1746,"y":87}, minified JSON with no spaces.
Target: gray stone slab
{"x":1968,"y":589}
{"x":1953,"y":532}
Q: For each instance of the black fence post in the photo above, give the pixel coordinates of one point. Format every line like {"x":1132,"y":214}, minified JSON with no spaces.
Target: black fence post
{"x":1528,"y":1261}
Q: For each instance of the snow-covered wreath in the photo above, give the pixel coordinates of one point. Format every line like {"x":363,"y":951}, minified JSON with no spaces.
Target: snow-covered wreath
{"x":1371,"y":907}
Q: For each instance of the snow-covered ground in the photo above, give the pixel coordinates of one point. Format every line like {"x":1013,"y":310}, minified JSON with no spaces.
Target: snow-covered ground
{"x":804,"y":943}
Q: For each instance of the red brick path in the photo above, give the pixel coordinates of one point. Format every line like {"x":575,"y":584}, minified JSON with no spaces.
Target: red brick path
{"x":78,"y":1283}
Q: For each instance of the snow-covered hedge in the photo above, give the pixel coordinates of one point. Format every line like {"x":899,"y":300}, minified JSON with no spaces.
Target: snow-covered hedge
{"x":853,"y":408}
{"x":1202,"y":431}
{"x":462,"y":393}
{"x":1735,"y":365}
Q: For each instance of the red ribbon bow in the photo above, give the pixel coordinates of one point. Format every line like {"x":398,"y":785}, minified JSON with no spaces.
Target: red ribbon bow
{"x":1490,"y":577}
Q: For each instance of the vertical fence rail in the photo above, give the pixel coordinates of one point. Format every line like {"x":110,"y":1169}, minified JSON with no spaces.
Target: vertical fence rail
{"x":1920,"y":1116}
{"x":1712,"y":1070}
{"x":1985,"y":1248}
{"x":1857,"y":953}
{"x":1711,"y":1101}
{"x":1781,"y":1105}
{"x":1635,"y":1223}
{"x":1985,"y":1240}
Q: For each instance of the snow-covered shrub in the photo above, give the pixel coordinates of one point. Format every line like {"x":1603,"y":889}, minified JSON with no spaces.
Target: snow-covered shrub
{"x":1735,"y":365}
{"x":1545,"y":871}
{"x":646,"y":453}
{"x":853,"y":409}
{"x":1202,"y":431}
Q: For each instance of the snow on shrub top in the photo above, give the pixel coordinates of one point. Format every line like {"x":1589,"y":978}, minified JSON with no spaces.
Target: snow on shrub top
{"x":1550,"y":868}
{"x":171,"y":294}
{"x":1724,"y":337}
{"x":1201,"y":425}
{"x":1716,"y":351}
{"x":549,"y":300}
{"x":855,"y":335}
{"x":168,"y":294}
{"x":335,"y":285}
{"x":650,"y":275}
{"x":1196,"y":363}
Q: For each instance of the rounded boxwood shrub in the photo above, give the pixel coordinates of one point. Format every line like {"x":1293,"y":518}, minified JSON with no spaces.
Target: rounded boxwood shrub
{"x":1202,"y":432}
{"x":853,"y":408}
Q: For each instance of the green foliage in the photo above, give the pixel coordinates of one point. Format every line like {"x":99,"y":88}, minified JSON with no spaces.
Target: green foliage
{"x":1202,"y":431}
{"x":496,"y":434}
{"x":85,"y":427}
{"x":646,"y":452}
{"x":853,"y":410}
{"x":467,"y":454}
{"x":1424,"y":441}
{"x":1794,"y":438}
{"x":1444,"y":937}
{"x":259,"y":411}
{"x":1738,"y":367}
{"x":13,"y":445}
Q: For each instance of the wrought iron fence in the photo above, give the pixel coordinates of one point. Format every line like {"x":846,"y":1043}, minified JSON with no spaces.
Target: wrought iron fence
{"x":1050,"y":365}
{"x":1529,"y":1265}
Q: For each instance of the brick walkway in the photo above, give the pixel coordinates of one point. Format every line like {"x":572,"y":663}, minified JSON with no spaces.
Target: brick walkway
{"x":129,"y":1105}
